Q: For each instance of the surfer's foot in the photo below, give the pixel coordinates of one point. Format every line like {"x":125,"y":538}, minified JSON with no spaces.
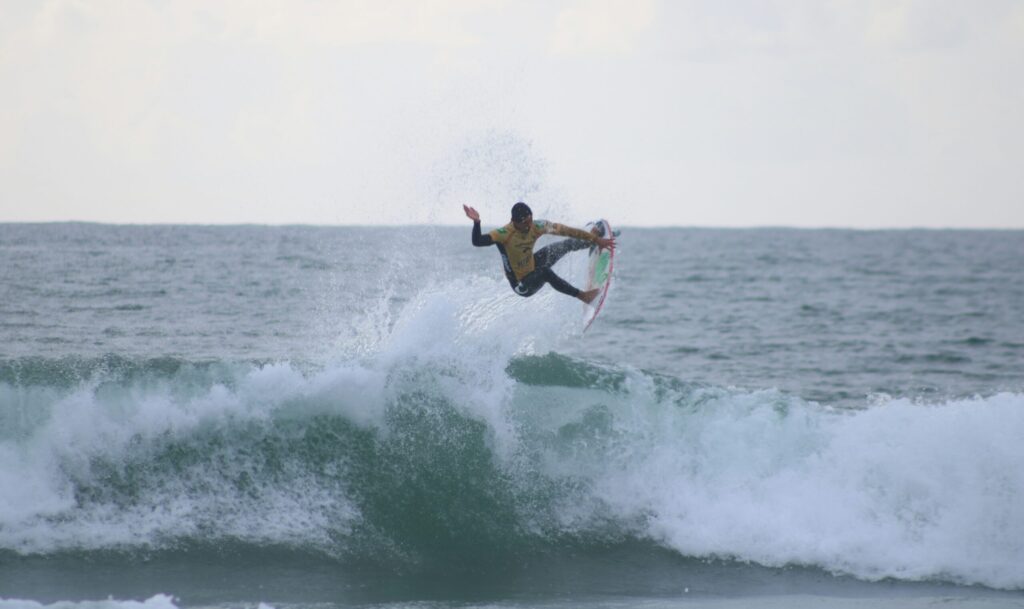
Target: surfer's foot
{"x":589,"y":296}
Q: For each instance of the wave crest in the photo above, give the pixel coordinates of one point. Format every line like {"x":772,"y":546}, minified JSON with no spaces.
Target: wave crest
{"x":409,"y":458}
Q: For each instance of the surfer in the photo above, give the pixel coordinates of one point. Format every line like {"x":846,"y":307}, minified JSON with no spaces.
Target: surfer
{"x":526,"y":271}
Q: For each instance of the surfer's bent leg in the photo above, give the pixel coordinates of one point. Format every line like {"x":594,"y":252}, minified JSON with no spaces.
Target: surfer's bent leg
{"x":560,"y":284}
{"x":547,"y":256}
{"x":532,"y":283}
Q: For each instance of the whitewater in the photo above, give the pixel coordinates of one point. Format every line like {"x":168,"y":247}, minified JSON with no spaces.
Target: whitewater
{"x":200,"y":396}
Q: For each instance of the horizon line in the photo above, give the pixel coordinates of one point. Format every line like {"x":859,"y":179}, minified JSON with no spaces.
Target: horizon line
{"x":460,"y":225}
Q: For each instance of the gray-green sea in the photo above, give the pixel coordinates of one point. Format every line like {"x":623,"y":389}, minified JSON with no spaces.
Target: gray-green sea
{"x":330,"y":417}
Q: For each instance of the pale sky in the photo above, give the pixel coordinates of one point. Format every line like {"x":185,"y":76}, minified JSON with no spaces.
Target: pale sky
{"x":852,"y":113}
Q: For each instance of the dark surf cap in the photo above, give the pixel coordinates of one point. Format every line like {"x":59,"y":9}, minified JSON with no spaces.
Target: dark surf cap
{"x":519,"y":211}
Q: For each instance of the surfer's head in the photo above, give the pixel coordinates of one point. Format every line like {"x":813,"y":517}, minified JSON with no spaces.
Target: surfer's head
{"x":521,"y":215}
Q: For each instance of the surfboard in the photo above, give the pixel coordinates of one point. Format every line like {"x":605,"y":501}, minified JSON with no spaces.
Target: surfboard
{"x":599,"y":275}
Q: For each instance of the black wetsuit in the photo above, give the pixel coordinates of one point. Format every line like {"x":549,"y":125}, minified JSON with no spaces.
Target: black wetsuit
{"x":536,"y":271}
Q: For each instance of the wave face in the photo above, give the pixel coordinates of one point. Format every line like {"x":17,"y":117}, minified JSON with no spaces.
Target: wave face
{"x":441,"y":446}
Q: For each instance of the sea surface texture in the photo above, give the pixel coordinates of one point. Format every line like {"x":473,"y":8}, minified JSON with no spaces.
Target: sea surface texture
{"x":332,"y":417}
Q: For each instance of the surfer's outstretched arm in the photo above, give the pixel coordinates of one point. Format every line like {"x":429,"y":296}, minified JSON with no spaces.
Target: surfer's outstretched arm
{"x":479,"y":239}
{"x":576,"y":233}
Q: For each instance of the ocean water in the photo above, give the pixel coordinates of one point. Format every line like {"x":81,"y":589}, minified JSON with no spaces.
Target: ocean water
{"x":333,"y":417}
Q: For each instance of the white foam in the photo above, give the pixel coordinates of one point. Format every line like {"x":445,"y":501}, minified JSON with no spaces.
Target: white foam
{"x":159,"y":601}
{"x":39,"y":511}
{"x":902,"y":489}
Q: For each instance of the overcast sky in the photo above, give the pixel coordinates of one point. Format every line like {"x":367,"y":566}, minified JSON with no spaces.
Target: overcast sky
{"x":860,"y":113}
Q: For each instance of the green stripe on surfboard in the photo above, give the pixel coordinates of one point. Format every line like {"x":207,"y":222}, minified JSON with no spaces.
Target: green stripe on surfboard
{"x":601,"y":268}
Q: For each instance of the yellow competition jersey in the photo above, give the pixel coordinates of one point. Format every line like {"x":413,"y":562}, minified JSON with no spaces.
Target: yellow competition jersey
{"x":519,"y":245}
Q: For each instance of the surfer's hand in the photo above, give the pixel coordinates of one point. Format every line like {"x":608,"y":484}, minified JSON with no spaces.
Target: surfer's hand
{"x":471,"y":213}
{"x":603,"y":243}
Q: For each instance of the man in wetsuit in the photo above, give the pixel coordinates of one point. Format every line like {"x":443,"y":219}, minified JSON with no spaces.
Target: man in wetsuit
{"x":526,"y":271}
